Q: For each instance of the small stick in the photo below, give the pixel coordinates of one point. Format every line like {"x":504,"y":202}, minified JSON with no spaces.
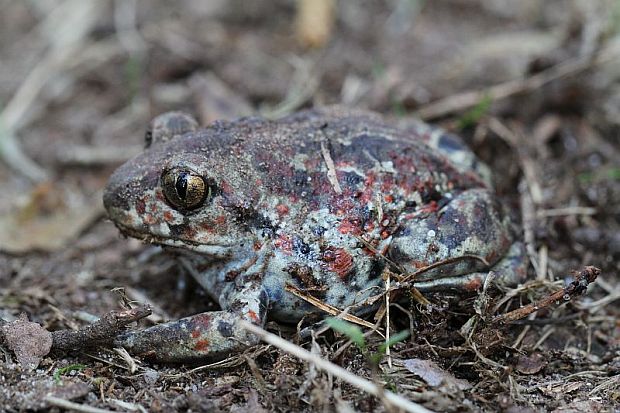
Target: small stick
{"x":575,"y":288}
{"x":333,"y":369}
{"x":66,"y":404}
{"x":490,"y":337}
{"x":106,"y":328}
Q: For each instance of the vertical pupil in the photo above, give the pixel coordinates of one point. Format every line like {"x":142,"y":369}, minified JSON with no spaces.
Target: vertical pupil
{"x":181,"y":185}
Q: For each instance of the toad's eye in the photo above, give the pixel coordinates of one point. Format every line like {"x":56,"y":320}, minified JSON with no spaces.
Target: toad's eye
{"x":184,"y":189}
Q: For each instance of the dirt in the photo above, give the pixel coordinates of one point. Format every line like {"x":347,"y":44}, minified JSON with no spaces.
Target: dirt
{"x":100,"y":75}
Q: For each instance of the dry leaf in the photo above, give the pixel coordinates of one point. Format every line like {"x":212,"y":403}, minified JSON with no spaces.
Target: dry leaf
{"x":29,"y":341}
{"x":434,"y":375}
{"x":530,"y":364}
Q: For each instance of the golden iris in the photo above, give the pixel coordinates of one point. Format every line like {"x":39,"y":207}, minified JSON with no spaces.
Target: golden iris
{"x":184,"y":189}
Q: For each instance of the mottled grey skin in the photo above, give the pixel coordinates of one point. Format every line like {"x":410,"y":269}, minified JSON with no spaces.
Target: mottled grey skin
{"x":317,"y":200}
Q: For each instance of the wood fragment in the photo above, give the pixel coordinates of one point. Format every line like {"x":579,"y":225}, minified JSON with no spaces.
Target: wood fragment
{"x":490,"y":337}
{"x":314,"y":22}
{"x":105,"y":329}
{"x":574,"y":289}
{"x":411,"y":276}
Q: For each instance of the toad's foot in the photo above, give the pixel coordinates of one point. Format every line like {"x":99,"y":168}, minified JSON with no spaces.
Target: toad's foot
{"x":210,"y":335}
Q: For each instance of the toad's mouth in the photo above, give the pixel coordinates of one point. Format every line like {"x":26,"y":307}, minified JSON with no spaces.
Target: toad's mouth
{"x":211,"y":250}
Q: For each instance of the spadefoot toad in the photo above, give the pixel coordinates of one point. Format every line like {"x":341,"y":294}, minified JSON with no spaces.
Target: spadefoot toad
{"x":323,"y":200}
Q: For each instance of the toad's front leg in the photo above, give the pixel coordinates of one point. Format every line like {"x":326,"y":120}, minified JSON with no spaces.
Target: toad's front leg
{"x":209,"y":335}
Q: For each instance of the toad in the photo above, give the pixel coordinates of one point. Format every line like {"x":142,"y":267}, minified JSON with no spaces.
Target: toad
{"x":323,"y":200}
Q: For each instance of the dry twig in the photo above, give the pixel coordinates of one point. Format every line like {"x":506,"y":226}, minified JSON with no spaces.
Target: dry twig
{"x":490,"y":336}
{"x":106,"y":328}
{"x":66,"y":404}
{"x":331,"y":168}
{"x":574,"y":289}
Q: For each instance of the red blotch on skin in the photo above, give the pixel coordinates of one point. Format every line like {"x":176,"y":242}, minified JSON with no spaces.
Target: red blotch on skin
{"x":282,"y":209}
{"x":253,"y":317}
{"x":220,"y":220}
{"x":168,"y":216}
{"x":350,"y":226}
{"x":338,"y":260}
{"x":207,"y":227}
{"x":160,"y":196}
{"x":257,"y":246}
{"x":473,"y":285}
{"x":140,"y":206}
{"x":201,"y":345}
{"x":189,"y":232}
{"x":226,"y":188}
{"x":149,"y":219}
{"x":431,"y":207}
{"x":201,"y":321}
{"x":387,"y":184}
{"x":366,"y":196}
{"x":231,"y":275}
{"x":284,"y":243}
{"x":370,"y":179}
{"x":195,"y":334}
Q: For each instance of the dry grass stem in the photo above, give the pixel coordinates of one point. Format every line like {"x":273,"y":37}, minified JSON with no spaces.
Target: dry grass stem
{"x":326,"y":307}
{"x":467,"y":100}
{"x":66,"y":404}
{"x":331,"y":368}
{"x":388,"y":353}
{"x":331,"y":168}
{"x":78,"y":18}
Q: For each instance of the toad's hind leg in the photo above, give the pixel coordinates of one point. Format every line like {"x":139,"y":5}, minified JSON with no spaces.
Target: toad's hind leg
{"x":452,"y":247}
{"x":209,"y":335}
{"x":510,"y":270}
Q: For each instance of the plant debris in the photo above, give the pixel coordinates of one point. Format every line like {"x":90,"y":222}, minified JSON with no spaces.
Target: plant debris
{"x":434,"y":375}
{"x":488,"y":338}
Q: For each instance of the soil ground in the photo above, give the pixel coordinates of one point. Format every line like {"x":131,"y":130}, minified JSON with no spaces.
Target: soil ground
{"x":533,"y":87}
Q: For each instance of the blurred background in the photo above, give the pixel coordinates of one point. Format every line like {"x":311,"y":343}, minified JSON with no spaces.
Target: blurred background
{"x":533,"y":86}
